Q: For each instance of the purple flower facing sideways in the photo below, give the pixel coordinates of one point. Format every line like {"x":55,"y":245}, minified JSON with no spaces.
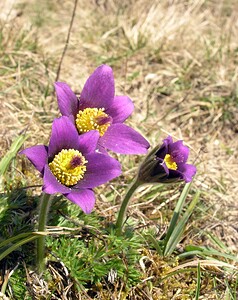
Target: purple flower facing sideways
{"x":70,"y":165}
{"x":167,"y":164}
{"x":99,"y":109}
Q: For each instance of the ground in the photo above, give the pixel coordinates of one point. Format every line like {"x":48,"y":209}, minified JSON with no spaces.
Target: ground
{"x":177,"y":61}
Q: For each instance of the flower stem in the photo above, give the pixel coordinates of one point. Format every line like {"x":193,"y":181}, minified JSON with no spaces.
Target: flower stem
{"x":124,"y":205}
{"x":44,"y":206}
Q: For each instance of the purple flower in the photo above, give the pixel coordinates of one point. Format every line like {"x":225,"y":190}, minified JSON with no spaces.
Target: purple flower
{"x":99,"y":109}
{"x":70,"y":165}
{"x":167,"y":163}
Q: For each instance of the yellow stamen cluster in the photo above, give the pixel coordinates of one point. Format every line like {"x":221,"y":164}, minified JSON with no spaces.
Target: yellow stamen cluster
{"x":88,"y":119}
{"x":68,"y":166}
{"x":170,"y":163}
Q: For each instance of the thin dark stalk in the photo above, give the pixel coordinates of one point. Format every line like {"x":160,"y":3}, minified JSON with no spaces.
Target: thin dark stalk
{"x":67,"y":41}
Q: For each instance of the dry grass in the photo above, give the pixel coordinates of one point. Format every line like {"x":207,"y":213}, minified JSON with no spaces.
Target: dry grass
{"x":176,"y":59}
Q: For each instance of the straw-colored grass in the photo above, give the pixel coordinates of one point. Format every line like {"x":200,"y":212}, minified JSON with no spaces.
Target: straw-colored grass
{"x":177,"y":61}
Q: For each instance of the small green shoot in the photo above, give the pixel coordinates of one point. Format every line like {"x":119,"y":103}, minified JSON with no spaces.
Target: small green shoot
{"x":192,"y":250}
{"x":177,"y":211}
{"x":198,"y":282}
{"x":9,"y":156}
{"x":176,"y":230}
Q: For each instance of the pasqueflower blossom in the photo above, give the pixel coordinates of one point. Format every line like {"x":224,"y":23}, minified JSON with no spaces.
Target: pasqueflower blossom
{"x":167,"y":163}
{"x":99,"y":109}
{"x":70,"y":165}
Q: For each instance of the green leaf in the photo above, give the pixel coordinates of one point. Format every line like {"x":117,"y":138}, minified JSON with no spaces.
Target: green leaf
{"x":177,"y":211}
{"x":9,"y":156}
{"x":14,"y":238}
{"x":18,"y":244}
{"x":217,"y":241}
{"x":155,"y":243}
{"x":198,"y":282}
{"x":178,"y":230}
{"x":192,"y":250}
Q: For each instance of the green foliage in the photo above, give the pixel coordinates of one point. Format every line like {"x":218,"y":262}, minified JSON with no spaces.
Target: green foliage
{"x":19,"y":290}
{"x":227,"y":104}
{"x":176,"y":229}
{"x":16,"y":218}
{"x":198,"y":282}
{"x":232,"y":289}
{"x":97,"y":259}
{"x":17,"y":213}
{"x":10,"y":155}
{"x":168,"y":243}
{"x":23,"y":239}
{"x":92,"y":256}
{"x":205,"y":252}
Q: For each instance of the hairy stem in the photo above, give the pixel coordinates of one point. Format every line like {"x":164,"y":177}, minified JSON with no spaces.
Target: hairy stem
{"x":124,"y":205}
{"x":44,"y":206}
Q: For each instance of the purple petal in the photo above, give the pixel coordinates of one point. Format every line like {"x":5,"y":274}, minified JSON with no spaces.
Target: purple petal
{"x":37,"y":155}
{"x":121,"y":108}
{"x":67,"y":100}
{"x":64,"y":136}
{"x":123,"y":139}
{"x":52,"y":185}
{"x":174,"y":175}
{"x":159,"y":171}
{"x":100,"y":169}
{"x":102,"y":150}
{"x":164,"y":166}
{"x":88,"y":141}
{"x":99,"y":89}
{"x":188,"y":171}
{"x":168,"y":140}
{"x":179,"y":152}
{"x":84,"y":198}
{"x":163,"y":150}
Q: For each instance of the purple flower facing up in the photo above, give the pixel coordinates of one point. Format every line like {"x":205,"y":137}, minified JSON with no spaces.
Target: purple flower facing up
{"x":167,"y":164}
{"x":99,"y":109}
{"x":70,"y":165}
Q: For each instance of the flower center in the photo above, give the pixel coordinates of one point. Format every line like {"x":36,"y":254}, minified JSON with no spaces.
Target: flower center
{"x":93,"y":119}
{"x":170,"y":163}
{"x":68,"y":166}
